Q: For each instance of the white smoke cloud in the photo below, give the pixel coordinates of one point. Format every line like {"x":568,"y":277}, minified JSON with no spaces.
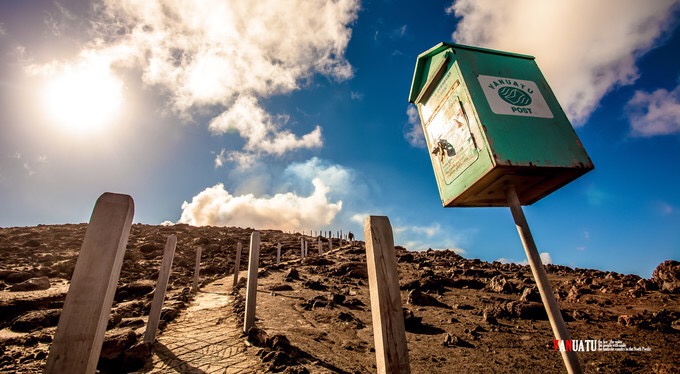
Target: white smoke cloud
{"x":545,"y":258}
{"x":286,"y":211}
{"x":215,"y":55}
{"x":584,"y":48}
{"x":211,"y":51}
{"x":262,"y":133}
{"x":655,"y":113}
{"x":340,"y":179}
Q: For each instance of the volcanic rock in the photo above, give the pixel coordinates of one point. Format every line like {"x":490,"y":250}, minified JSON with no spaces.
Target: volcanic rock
{"x":280,"y":287}
{"x":292,"y":274}
{"x":17,"y":276}
{"x":356,"y":270}
{"x":530,"y":294}
{"x":501,"y":285}
{"x":257,"y":337}
{"x":135,"y":357}
{"x":667,"y":276}
{"x":416,"y":297}
{"x":454,"y":341}
{"x":33,"y":284}
{"x":36,"y":319}
{"x":116,"y":342}
{"x":527,"y":310}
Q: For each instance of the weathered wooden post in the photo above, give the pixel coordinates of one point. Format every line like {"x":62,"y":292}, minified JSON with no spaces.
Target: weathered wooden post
{"x":330,"y":244}
{"x":161,"y":287}
{"x":302,"y":248}
{"x":80,"y":332}
{"x":388,"y":317}
{"x":237,"y":263}
{"x":319,"y":246}
{"x":278,"y":254}
{"x":251,"y":288}
{"x":197,"y":270}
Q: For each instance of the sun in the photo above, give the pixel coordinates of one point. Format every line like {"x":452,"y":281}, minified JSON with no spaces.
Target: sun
{"x":83,"y":99}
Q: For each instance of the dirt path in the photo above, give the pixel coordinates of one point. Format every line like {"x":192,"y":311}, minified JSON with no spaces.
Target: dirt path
{"x":205,"y":338}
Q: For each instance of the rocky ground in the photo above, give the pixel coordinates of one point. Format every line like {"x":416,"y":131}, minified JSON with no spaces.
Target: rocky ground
{"x":461,"y":315}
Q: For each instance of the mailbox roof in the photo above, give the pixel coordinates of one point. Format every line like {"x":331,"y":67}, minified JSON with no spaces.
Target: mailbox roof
{"x":422,"y":67}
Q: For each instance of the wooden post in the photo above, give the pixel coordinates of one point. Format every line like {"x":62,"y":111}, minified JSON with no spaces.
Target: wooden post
{"x":306,"y":248}
{"x":237,"y":263}
{"x":161,"y":287}
{"x":278,"y":254}
{"x":80,"y":332}
{"x":302,"y":248}
{"x":330,"y":244}
{"x":319,"y":246}
{"x":197,"y":270}
{"x":559,"y":328}
{"x":251,"y":289}
{"x":383,"y":281}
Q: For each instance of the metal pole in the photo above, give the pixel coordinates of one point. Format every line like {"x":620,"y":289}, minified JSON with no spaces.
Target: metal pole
{"x":559,"y":328}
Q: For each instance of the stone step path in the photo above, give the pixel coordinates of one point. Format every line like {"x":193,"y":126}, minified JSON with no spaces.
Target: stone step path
{"x":205,"y":338}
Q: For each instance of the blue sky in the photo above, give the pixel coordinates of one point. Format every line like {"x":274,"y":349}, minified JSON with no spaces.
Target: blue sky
{"x":294,"y":115}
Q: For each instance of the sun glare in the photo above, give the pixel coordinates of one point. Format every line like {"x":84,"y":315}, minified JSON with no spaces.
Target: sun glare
{"x":83,"y":99}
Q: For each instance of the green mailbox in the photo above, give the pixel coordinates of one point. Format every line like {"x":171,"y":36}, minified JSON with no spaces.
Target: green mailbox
{"x":490,"y":120}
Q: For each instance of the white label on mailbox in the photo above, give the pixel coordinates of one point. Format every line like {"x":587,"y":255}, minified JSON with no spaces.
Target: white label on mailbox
{"x":515,"y":97}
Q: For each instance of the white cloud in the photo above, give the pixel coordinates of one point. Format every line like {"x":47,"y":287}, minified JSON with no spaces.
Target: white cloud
{"x":360,"y":218}
{"x":545,"y":259}
{"x":655,"y":113}
{"x":211,"y":51}
{"x":341,"y":180}
{"x":663,"y":208}
{"x":413,"y":132}
{"x":399,"y":32}
{"x":354,"y":95}
{"x":213,"y":56}
{"x":262,"y":133}
{"x":428,"y":231}
{"x":422,"y":237}
{"x":242,"y":160}
{"x":584,"y":48}
{"x":286,"y":211}
{"x":412,"y":245}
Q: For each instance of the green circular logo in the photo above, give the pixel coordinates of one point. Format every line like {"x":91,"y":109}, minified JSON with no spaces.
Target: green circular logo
{"x":514,"y":96}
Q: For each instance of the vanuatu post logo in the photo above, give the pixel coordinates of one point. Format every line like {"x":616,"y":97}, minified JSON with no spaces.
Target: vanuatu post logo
{"x":516,"y":97}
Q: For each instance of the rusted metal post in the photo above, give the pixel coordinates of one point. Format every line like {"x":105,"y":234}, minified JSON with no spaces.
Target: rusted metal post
{"x":389,"y":333}
{"x":559,"y":328}
{"x":80,"y":332}
{"x":251,"y":288}
{"x":161,"y":287}
{"x":237,"y":264}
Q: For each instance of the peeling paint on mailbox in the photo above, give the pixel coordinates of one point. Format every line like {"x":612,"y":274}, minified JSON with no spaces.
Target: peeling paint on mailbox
{"x":490,"y":119}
